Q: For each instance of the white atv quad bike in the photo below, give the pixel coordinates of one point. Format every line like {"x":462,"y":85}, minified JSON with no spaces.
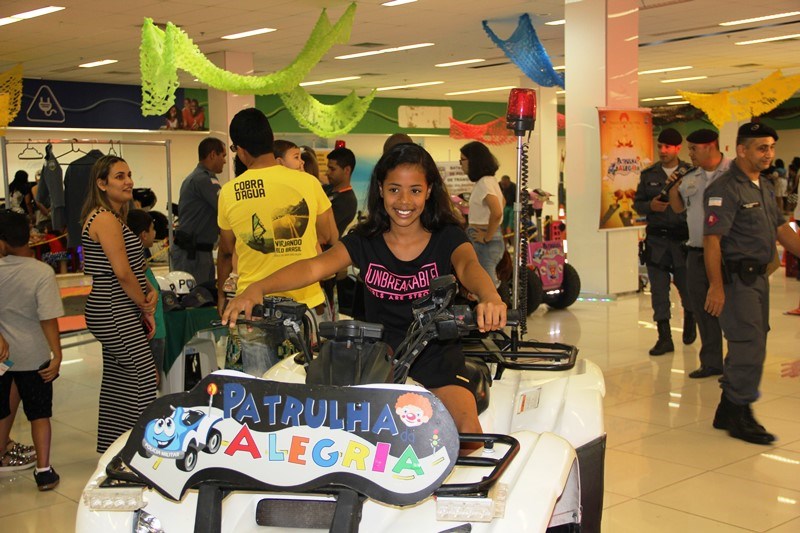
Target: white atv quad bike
{"x":341,"y":443}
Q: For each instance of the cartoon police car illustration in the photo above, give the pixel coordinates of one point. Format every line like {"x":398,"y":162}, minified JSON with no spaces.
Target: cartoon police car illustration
{"x":180,"y":436}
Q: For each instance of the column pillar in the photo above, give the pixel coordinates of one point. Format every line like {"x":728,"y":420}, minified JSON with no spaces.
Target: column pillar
{"x":727,"y":138}
{"x":549,"y":156}
{"x":224,"y":105}
{"x":601,"y":49}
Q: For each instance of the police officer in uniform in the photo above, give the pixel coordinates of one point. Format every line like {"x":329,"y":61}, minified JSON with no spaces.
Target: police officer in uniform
{"x":198,"y":231}
{"x":742,"y":222}
{"x":663,"y":247}
{"x":688,"y":196}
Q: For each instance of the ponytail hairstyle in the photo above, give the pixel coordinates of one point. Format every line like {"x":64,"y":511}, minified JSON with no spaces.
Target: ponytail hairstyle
{"x":97,"y":197}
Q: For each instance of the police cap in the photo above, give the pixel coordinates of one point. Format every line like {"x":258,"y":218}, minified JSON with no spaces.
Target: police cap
{"x":670,"y":136}
{"x":702,"y":136}
{"x":753,"y":130}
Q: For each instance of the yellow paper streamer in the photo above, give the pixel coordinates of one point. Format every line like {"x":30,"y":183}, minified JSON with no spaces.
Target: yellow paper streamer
{"x":755,"y":100}
{"x":10,"y":96}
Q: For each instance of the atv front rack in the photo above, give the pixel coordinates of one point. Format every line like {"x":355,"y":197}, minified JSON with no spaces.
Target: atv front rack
{"x":497,"y":464}
{"x":508,"y":352}
{"x":342,"y":514}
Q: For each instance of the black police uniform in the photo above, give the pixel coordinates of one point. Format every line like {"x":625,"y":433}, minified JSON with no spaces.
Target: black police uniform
{"x":746,"y":216}
{"x":664,"y":245}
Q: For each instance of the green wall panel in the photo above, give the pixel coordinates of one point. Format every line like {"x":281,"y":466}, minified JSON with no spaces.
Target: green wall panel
{"x":382,"y":115}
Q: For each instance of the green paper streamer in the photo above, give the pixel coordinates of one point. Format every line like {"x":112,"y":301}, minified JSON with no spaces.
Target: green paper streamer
{"x":326,"y":120}
{"x":163,"y":52}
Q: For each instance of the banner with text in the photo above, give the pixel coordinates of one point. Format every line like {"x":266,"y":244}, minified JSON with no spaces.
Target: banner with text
{"x":626,"y":148}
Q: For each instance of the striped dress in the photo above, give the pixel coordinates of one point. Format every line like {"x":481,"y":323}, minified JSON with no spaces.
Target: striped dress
{"x":129,"y":379}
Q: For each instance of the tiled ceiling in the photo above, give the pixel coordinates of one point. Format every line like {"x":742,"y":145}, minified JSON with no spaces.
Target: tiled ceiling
{"x":671,"y":33}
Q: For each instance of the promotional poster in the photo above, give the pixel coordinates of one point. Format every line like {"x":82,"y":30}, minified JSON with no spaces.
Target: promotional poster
{"x":393,"y":443}
{"x":626,"y":148}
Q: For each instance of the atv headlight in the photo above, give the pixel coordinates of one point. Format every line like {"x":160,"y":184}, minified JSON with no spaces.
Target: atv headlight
{"x":471,"y":508}
{"x":124,"y":499}
{"x":146,"y":523}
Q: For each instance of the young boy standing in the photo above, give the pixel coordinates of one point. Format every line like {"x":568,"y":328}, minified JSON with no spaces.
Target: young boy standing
{"x":30,"y":304}
{"x":141,"y":224}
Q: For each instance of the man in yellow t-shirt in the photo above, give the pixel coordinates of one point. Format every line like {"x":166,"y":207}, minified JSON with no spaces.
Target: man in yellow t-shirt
{"x":271,"y":215}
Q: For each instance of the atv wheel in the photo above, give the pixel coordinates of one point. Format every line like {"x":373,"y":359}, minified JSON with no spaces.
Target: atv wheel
{"x":535,"y":292}
{"x":189,"y":460}
{"x":570,"y":289}
{"x":213,"y":442}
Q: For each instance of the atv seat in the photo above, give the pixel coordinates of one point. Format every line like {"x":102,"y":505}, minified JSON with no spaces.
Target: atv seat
{"x":480,"y":382}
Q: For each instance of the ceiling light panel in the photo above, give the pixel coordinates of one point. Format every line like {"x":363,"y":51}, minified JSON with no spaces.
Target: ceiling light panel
{"x":462,"y":62}
{"x":770,"y":39}
{"x":98,"y":63}
{"x":331,"y":80}
{"x":385,"y":51}
{"x":668,"y":69}
{"x":488,"y":90}
{"x":678,"y":80}
{"x":409,"y":86}
{"x":250,"y":33}
{"x":760,"y":19}
{"x":29,"y":14}
{"x":658,"y":98}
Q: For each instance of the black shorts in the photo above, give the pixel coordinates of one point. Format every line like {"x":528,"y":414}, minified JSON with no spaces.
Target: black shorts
{"x":36,"y":395}
{"x":440,"y":364}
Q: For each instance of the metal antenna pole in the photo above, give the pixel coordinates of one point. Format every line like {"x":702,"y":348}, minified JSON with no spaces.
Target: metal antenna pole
{"x":517,"y":210}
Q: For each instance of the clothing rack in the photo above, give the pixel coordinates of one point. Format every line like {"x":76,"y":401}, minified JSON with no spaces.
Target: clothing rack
{"x":5,"y":143}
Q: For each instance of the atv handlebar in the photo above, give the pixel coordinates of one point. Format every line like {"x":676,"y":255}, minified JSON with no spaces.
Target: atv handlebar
{"x":459,"y":320}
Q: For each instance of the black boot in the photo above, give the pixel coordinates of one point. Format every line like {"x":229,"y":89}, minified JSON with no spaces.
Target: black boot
{"x":740,"y":423}
{"x":664,"y":342}
{"x":689,"y":328}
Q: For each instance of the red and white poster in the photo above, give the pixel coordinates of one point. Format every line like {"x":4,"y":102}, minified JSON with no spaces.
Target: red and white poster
{"x":626,"y":148}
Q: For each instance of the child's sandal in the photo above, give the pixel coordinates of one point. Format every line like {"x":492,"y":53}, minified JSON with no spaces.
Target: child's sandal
{"x":12,"y":463}
{"x":19,"y":449}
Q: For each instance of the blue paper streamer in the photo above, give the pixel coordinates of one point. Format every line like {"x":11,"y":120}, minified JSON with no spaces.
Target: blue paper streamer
{"x":527,"y":52}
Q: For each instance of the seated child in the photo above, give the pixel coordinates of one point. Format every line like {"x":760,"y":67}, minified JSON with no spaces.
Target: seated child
{"x":30,"y":304}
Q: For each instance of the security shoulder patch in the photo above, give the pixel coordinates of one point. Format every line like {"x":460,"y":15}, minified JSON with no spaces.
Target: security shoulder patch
{"x":711,"y":220}
{"x":715,"y":201}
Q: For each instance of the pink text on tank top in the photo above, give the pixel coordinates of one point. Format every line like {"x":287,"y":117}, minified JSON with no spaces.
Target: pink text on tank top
{"x":388,"y":285}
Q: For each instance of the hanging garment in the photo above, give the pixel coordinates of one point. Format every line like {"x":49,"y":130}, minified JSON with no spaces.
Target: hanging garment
{"x":76,"y":188}
{"x":51,"y":189}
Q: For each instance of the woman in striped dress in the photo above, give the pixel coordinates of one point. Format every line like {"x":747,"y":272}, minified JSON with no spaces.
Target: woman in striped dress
{"x":120,"y":300}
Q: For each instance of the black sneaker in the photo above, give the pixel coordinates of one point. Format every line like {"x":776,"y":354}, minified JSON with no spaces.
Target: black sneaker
{"x":47,"y":480}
